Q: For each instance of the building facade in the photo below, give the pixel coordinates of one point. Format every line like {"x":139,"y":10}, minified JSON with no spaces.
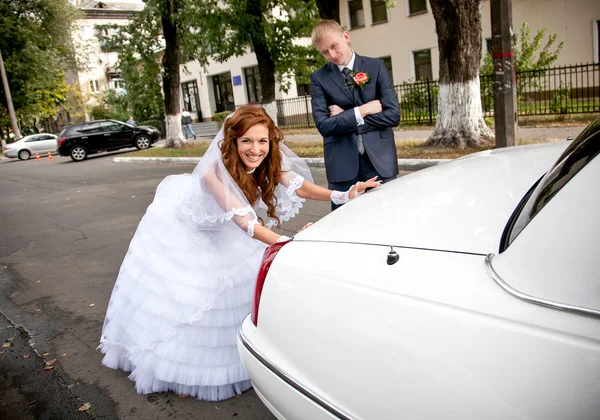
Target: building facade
{"x":100,"y":71}
{"x":224,"y":86}
{"x":404,"y":36}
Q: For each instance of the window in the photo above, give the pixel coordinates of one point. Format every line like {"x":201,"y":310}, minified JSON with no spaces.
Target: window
{"x":91,"y":128}
{"x":85,"y":32}
{"x":489,"y":45}
{"x":303,"y":89}
{"x":189,"y":93}
{"x":223,"y":90}
{"x":357,"y":14}
{"x":379,"y":11}
{"x":94,"y":86}
{"x":581,"y":151}
{"x":111,"y":127}
{"x":388,"y":64}
{"x":117,"y":84}
{"x":252,"y":77}
{"x":422,"y":61}
{"x":416,"y":7}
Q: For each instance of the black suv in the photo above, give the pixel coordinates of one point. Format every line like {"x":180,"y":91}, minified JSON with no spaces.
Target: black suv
{"x":81,"y":140}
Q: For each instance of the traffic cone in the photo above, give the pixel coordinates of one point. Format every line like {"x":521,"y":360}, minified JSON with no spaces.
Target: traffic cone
{"x":37,"y":156}
{"x":50,"y":156}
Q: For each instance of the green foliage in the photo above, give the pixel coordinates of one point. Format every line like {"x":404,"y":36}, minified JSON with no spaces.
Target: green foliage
{"x":416,"y":97}
{"x":219,"y":117}
{"x":232,"y":27}
{"x":112,"y":105}
{"x":531,"y":56}
{"x":561,"y":99}
{"x":36,"y":48}
{"x":137,"y":44}
{"x":153,"y":123}
{"x":216,"y":30}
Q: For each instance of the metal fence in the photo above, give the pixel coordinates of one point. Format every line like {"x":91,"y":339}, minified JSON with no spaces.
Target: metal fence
{"x":555,"y":91}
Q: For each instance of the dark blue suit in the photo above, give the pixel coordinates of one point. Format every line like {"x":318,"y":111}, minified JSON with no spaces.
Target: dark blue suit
{"x":343,"y":164}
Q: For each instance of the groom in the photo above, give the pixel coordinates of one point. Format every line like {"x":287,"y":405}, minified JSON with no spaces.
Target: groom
{"x":354,"y":106}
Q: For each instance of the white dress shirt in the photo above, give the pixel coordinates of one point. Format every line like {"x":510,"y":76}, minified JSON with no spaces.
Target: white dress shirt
{"x":359,"y":118}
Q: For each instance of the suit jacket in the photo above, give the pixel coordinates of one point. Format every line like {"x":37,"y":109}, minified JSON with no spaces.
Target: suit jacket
{"x":340,"y":132}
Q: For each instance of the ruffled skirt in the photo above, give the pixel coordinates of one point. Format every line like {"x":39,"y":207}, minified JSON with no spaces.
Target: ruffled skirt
{"x":179,"y":300}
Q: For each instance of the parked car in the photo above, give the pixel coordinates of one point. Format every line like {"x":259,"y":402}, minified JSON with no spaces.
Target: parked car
{"x":469,"y":290}
{"x":80,"y":140}
{"x":28,"y":146}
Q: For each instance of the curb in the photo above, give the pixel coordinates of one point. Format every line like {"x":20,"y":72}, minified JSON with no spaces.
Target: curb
{"x":403,"y":164}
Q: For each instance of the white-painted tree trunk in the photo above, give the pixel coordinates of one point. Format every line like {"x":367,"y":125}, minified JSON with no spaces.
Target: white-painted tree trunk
{"x":271,"y":110}
{"x":459,"y":121}
{"x":174,"y":136}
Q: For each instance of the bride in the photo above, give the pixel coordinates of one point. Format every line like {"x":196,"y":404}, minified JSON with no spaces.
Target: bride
{"x":187,"y":280}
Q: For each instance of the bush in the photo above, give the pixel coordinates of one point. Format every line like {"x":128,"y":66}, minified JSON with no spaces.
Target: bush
{"x":153,"y":123}
{"x":416,"y":98}
{"x":561,"y":99}
{"x":219,"y":117}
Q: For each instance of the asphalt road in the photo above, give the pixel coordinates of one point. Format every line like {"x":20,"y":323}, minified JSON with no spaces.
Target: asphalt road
{"x":65,"y":228}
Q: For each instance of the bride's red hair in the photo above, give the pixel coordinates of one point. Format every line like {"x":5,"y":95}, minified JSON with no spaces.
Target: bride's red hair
{"x":264,"y":180}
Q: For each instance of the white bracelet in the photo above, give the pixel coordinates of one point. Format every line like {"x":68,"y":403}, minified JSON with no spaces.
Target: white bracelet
{"x":283,"y":238}
{"x":338,"y":197}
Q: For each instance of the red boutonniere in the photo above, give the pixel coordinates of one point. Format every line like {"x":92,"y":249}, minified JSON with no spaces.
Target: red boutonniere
{"x":361,"y":78}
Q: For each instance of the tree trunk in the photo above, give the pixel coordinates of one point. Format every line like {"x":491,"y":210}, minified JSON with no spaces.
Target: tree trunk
{"x":170,"y":61}
{"x":329,"y":9}
{"x":459,"y":122}
{"x":266,"y":65}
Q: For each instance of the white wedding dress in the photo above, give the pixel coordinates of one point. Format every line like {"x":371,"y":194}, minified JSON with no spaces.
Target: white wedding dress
{"x":187,"y":282}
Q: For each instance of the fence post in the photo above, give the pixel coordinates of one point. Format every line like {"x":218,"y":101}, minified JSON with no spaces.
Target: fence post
{"x":429,"y":102}
{"x":307,"y":113}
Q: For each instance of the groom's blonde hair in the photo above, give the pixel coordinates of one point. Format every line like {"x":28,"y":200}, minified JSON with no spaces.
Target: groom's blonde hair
{"x":325,"y":27}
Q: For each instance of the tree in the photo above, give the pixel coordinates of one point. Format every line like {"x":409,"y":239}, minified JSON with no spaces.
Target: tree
{"x":270,"y":28}
{"x":36,"y":47}
{"x":217,"y":30}
{"x":459,"y":120}
{"x":531,"y":55}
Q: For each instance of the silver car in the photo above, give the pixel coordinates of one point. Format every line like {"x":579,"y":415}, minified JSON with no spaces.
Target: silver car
{"x":28,"y":146}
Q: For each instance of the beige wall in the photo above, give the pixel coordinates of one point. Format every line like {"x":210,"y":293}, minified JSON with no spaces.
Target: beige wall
{"x":88,"y":51}
{"x":572,"y":20}
{"x":235,"y":66}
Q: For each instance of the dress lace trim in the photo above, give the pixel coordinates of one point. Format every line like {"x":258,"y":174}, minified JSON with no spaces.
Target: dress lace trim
{"x":251,"y":224}
{"x":288,"y":204}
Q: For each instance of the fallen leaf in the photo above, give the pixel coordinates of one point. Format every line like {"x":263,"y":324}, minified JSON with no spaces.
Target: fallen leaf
{"x":64,"y":354}
{"x":6,"y":345}
{"x":25,"y":356}
{"x":183,"y":396}
{"x":50,"y":362}
{"x":92,"y":304}
{"x":48,"y":367}
{"x":85,"y":407}
{"x":46,"y":354}
{"x":38,"y":310}
{"x":9,"y":326}
{"x":9,"y":340}
{"x":2,"y":352}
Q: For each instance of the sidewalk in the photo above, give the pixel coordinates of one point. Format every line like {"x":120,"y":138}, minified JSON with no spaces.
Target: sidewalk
{"x":525,"y":134}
